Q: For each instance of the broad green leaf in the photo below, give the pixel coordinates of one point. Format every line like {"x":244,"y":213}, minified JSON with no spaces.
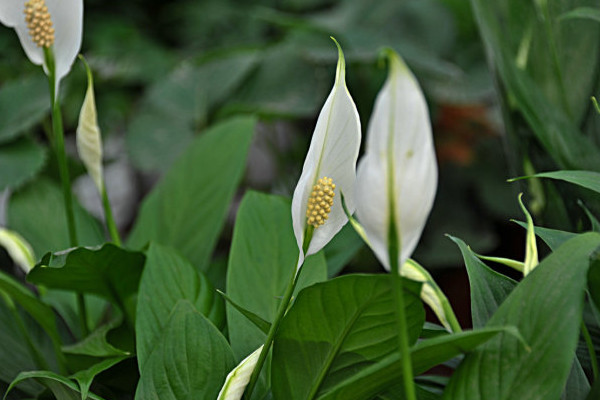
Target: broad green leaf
{"x":39,"y":311}
{"x":96,"y":343}
{"x":62,"y":388}
{"x":84,"y":378}
{"x":342,"y":248}
{"x":335,"y":330}
{"x":177,"y":105}
{"x":488,"y":287}
{"x":187,"y":209}
{"x":262,"y":261}
{"x":583,"y":12}
{"x":425,"y":355}
{"x":167,"y":279}
{"x":190,"y":361}
{"x":20,"y":161}
{"x":549,"y":321}
{"x":23,"y":103}
{"x":110,"y":272}
{"x":48,"y":230}
{"x":552,"y":237}
{"x":587,"y":179}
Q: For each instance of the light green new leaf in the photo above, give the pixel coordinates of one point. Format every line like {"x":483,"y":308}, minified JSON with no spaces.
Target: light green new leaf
{"x":20,"y":161}
{"x":336,"y":329}
{"x":187,"y":209}
{"x":262,"y":261}
{"x":546,"y":308}
{"x":167,"y":279}
{"x":190,"y":361}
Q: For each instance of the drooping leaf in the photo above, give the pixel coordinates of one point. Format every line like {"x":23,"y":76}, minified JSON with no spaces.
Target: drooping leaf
{"x":110,"y":272}
{"x":190,"y":361}
{"x":167,"y":279}
{"x":587,"y":179}
{"x":20,"y":161}
{"x":549,"y":321}
{"x":187,"y":209}
{"x":62,"y":388}
{"x":336,"y":329}
{"x":48,"y":230}
{"x":23,"y":103}
{"x":96,"y":343}
{"x":260,"y":323}
{"x":425,"y":355}
{"x":583,"y":12}
{"x":85,"y":378}
{"x":262,"y":261}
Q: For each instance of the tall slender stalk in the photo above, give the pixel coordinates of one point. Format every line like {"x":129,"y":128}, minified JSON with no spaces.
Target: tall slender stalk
{"x":108,"y":217}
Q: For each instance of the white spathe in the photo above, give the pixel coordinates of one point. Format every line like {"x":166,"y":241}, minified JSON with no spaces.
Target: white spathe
{"x":89,"y":141}
{"x":398,"y":174}
{"x":332,"y":153}
{"x":238,"y":378}
{"x":67,"y":19}
{"x":18,"y":249}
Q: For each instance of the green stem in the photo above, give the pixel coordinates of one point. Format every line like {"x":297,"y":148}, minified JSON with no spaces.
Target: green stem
{"x":82,"y":315}
{"x":108,"y":217}
{"x":590,"y":347}
{"x":271,"y":335}
{"x":407,"y":371}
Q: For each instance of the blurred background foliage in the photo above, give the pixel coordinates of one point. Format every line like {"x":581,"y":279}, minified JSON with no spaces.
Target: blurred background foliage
{"x":508,"y":84}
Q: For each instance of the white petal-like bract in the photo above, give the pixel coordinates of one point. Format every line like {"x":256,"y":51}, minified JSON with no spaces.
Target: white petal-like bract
{"x":18,"y":249}
{"x":89,"y":141}
{"x":238,"y":378}
{"x":67,"y":20}
{"x":397,"y":177}
{"x":332,"y":153}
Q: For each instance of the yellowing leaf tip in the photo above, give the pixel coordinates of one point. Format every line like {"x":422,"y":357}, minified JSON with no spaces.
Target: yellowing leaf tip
{"x":340,"y":73}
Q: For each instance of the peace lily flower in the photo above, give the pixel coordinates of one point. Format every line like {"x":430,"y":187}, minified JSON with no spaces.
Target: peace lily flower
{"x":238,"y":378}
{"x":397,"y":177}
{"x":329,"y":168}
{"x":18,"y":249}
{"x":43,"y":25}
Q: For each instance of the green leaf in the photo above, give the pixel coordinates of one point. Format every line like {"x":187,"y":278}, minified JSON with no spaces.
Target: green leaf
{"x":190,"y":361}
{"x":425,"y":355}
{"x":342,"y":248}
{"x":552,"y":237}
{"x":48,"y":230}
{"x":167,"y":279}
{"x":262,"y":260}
{"x":62,"y":388}
{"x":84,"y":378}
{"x":96,"y":343}
{"x":488,"y":287}
{"x":593,"y":278}
{"x":23,"y":103}
{"x":583,"y":12}
{"x":587,"y":179}
{"x":260,"y":323}
{"x":187,"y":209}
{"x":335,"y":330}
{"x":546,"y":307}
{"x":20,"y":161}
{"x":110,"y":272}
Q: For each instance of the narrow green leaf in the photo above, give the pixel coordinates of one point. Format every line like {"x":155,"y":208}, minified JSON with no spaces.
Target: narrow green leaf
{"x":587,"y":179}
{"x":20,"y":161}
{"x":190,"y":361}
{"x":489,"y":289}
{"x":336,"y":329}
{"x":255,"y":319}
{"x":109,"y":272}
{"x":62,"y":388}
{"x":262,"y":261}
{"x":552,"y":237}
{"x":85,"y":378}
{"x":187,"y":209}
{"x":426,"y":354}
{"x":167,"y":279}
{"x":549,"y":321}
{"x":583,"y":12}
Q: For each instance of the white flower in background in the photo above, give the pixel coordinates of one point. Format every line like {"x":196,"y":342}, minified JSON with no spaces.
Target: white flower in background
{"x":89,"y":141}
{"x":330,"y":167}
{"x":46,"y":24}
{"x":18,"y":249}
{"x":238,"y":378}
{"x":397,"y":177}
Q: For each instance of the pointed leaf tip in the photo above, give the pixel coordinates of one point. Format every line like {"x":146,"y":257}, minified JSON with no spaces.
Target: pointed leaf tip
{"x":340,"y":73}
